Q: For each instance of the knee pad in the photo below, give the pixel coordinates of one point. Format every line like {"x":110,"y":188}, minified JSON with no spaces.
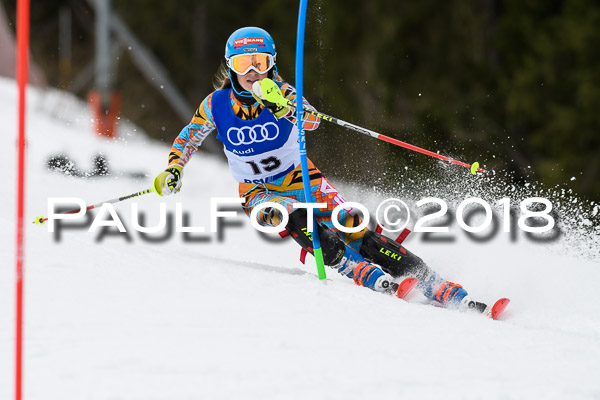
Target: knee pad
{"x":331,"y":245}
{"x":391,"y":256}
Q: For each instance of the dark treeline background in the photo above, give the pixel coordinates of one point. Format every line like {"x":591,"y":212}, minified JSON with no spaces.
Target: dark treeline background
{"x":513,"y":84}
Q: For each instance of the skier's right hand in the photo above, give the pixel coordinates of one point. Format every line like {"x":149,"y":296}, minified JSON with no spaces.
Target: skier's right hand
{"x":168,"y":181}
{"x":268,"y":94}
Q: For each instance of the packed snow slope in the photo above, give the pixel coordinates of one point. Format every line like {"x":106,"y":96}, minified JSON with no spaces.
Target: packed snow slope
{"x":111,"y":316}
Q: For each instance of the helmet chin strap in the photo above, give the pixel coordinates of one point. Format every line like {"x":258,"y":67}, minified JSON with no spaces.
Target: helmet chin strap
{"x":243,"y":95}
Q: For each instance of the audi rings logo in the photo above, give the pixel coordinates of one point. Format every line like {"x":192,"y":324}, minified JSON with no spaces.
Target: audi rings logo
{"x":253,"y":134}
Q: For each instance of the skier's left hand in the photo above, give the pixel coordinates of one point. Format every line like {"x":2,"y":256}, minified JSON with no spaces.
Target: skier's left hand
{"x":168,"y":181}
{"x":268,"y":94}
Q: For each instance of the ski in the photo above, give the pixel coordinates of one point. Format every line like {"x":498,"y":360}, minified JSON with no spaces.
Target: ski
{"x":493,"y":312}
{"x":405,"y":287}
{"x":497,"y":309}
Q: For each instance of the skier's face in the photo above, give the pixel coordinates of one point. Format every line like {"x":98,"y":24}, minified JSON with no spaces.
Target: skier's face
{"x":247,"y":80}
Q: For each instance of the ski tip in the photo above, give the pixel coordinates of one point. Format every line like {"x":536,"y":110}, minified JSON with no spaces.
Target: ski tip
{"x":405,"y":287}
{"x":499,"y":307}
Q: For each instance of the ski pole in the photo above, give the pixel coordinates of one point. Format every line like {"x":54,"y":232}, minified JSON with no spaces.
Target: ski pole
{"x":473,"y":167}
{"x":41,"y":219}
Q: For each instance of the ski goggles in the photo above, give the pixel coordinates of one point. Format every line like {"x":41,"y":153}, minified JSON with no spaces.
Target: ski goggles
{"x":242,"y":63}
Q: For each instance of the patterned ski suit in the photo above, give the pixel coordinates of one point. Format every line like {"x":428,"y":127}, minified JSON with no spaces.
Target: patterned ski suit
{"x":263,"y":157}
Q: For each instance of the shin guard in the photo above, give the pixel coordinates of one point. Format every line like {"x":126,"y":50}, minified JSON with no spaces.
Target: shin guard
{"x":332,"y":246}
{"x":392,"y":257}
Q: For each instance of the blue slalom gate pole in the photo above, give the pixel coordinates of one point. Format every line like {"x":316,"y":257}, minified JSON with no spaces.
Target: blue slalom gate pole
{"x":299,"y":121}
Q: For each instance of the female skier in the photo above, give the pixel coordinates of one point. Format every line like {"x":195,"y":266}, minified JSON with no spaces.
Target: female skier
{"x":260,"y":141}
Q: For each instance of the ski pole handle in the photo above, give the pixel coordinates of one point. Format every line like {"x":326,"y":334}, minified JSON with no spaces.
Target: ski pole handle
{"x":41,"y":220}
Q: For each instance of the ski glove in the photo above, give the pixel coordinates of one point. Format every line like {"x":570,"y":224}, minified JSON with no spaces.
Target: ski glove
{"x":269,"y":95}
{"x":168,"y":181}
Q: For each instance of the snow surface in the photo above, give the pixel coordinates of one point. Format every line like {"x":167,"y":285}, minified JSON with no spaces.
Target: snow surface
{"x":241,"y":317}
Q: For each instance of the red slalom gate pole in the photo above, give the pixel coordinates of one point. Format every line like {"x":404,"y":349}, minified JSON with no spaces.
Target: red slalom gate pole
{"x":22,"y":77}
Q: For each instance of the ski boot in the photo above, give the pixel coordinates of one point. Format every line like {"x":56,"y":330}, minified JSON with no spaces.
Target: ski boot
{"x":453,"y":295}
{"x":353,"y":265}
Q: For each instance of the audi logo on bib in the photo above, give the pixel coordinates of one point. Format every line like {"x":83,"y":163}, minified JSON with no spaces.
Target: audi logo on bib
{"x":247,"y":135}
